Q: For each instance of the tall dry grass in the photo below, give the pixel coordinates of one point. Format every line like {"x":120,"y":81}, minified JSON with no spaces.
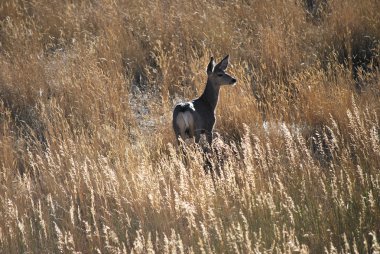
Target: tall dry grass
{"x":87,"y":156}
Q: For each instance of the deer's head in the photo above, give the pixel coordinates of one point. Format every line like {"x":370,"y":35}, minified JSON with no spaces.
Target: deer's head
{"x":217,"y":73}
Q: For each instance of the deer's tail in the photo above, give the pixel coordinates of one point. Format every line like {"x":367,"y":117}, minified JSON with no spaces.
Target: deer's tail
{"x":183,"y":120}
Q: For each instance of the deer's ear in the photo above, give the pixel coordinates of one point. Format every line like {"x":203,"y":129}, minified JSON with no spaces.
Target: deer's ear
{"x":210,"y":66}
{"x":223,"y":64}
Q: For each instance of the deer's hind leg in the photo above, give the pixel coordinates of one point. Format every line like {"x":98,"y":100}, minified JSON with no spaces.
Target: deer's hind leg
{"x":197,"y":135}
{"x":190,"y":130}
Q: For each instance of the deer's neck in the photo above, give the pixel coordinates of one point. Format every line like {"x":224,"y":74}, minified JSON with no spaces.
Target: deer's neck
{"x":210,"y":95}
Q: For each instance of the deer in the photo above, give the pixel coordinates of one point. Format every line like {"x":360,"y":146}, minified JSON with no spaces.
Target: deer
{"x":196,"y":117}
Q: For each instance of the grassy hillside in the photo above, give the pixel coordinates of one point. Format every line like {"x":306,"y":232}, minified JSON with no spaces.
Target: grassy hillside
{"x":88,"y":162}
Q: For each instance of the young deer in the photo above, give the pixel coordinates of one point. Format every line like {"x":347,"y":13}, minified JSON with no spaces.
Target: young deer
{"x":193,"y":118}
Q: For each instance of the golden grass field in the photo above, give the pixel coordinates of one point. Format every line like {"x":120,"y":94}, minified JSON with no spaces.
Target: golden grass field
{"x":88,"y":161}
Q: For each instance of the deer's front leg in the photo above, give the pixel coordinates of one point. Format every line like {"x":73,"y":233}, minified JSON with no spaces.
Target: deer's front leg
{"x":209,"y":131}
{"x":209,"y":137}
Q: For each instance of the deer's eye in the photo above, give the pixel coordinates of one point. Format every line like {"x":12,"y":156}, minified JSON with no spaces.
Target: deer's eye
{"x":219,"y":74}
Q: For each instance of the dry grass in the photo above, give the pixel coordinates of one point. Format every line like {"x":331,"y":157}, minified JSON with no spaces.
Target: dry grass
{"x":87,"y":161}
